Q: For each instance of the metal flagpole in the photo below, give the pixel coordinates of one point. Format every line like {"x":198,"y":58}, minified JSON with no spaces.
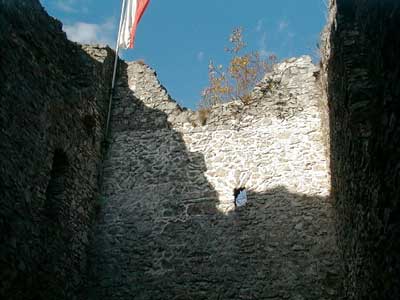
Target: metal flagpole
{"x":115,"y":70}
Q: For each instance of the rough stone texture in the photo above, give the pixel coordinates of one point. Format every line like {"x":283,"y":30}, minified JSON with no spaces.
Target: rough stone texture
{"x":53,"y":98}
{"x":361,"y":56}
{"x":169,"y":228}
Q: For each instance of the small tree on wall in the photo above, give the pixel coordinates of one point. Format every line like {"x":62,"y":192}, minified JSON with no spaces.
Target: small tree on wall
{"x":238,"y":79}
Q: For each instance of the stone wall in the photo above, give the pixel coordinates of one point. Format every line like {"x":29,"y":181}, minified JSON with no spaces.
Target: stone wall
{"x":361,"y":58}
{"x":169,"y":228}
{"x":53,"y":100}
{"x":254,"y":142}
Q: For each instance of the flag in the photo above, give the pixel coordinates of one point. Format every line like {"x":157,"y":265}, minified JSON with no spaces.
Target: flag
{"x":133,"y":12}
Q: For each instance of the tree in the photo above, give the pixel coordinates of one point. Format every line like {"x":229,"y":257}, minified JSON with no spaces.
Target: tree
{"x":237,"y":80}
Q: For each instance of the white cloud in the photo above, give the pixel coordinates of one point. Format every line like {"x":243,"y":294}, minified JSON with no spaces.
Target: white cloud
{"x":65,"y":7}
{"x":82,"y":32}
{"x":283,"y":25}
{"x":260,"y":25}
{"x":263,"y":45}
{"x":200,"y":56}
{"x":263,"y":53}
{"x":72,"y":6}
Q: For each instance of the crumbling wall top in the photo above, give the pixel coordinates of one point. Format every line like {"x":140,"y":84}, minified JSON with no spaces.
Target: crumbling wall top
{"x":284,"y":93}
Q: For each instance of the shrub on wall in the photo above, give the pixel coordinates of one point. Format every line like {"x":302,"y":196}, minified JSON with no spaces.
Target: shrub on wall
{"x":203,"y":114}
{"x":236,"y":81}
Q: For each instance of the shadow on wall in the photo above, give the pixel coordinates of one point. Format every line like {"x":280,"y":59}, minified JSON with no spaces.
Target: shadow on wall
{"x":364,"y":101}
{"x":161,"y":236}
{"x":52,"y":109}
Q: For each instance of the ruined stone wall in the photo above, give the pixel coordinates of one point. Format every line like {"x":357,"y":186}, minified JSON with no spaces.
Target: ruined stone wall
{"x":169,"y":228}
{"x":275,"y":141}
{"x":53,"y":100}
{"x":361,"y":58}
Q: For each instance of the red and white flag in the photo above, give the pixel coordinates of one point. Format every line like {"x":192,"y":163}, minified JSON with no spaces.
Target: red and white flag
{"x":133,"y":12}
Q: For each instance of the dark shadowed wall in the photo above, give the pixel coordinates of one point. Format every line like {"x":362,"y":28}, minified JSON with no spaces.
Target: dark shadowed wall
{"x":361,"y":55}
{"x":53,"y":99}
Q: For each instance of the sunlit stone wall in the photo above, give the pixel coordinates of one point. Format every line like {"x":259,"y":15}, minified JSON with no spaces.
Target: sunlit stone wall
{"x":275,"y":141}
{"x":169,"y":228}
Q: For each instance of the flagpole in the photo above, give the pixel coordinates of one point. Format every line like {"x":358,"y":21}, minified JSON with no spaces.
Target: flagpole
{"x":115,"y":69}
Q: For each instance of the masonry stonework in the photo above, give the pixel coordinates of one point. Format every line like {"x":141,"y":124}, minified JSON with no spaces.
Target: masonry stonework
{"x":169,"y":228}
{"x":361,"y":63}
{"x":53,"y":101}
{"x":166,"y":225}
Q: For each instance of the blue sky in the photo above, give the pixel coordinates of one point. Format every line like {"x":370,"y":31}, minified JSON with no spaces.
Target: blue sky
{"x":178,"y":37}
